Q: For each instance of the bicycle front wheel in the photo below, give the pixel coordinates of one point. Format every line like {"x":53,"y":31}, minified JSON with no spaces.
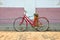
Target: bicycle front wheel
{"x":45,"y":24}
{"x":18,"y":26}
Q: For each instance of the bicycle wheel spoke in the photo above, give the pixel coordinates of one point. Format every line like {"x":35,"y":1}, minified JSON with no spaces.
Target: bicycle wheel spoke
{"x":18,"y":26}
{"x":45,"y":24}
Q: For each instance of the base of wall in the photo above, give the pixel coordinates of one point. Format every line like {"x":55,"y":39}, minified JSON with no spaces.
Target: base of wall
{"x":9,"y":27}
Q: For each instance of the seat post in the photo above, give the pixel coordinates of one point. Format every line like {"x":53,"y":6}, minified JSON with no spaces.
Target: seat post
{"x":35,"y":19}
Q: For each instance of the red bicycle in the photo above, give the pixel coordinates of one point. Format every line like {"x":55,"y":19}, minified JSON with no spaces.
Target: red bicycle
{"x":24,"y":24}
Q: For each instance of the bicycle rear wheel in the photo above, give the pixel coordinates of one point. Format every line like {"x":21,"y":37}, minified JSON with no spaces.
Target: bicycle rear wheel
{"x":45,"y":24}
{"x":18,"y":26}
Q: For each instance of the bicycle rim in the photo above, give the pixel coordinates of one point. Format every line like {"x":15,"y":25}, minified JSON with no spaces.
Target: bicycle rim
{"x":18,"y":26}
{"x":45,"y":24}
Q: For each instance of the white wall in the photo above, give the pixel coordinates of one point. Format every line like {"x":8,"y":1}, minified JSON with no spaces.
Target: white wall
{"x":47,"y":3}
{"x":38,"y":3}
{"x":30,"y":5}
{"x":12,"y":3}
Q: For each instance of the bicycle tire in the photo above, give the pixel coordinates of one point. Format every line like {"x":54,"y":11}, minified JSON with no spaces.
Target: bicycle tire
{"x":17,"y":26}
{"x":45,"y":23}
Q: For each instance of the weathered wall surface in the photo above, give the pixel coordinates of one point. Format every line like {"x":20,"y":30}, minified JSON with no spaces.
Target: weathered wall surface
{"x":53,"y":14}
{"x":7,"y":14}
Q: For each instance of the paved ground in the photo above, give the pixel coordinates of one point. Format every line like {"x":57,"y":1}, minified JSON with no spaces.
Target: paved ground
{"x":29,"y":35}
{"x":9,"y":27}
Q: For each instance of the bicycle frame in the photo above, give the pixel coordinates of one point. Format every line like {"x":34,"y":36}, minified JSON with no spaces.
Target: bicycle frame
{"x":27,"y":20}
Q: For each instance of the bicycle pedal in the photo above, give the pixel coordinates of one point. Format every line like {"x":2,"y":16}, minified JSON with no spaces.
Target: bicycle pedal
{"x":35,"y":27}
